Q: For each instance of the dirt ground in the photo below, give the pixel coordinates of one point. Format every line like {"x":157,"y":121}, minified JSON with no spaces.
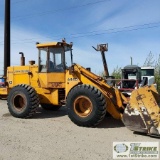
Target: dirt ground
{"x":50,"y":135}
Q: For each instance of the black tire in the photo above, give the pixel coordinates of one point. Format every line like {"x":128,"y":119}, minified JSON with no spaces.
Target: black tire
{"x":50,"y":107}
{"x":86,"y":105}
{"x":22,"y":101}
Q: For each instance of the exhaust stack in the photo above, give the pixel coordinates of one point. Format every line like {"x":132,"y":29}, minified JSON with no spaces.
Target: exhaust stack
{"x":22,"y":59}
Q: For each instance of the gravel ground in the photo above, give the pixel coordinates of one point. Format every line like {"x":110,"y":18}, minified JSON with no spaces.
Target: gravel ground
{"x":50,"y":135}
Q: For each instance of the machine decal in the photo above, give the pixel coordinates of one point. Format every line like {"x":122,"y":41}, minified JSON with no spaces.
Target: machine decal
{"x":21,"y":71}
{"x":72,"y":79}
{"x":56,"y":84}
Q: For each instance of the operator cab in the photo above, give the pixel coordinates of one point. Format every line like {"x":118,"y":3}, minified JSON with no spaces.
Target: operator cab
{"x":131,"y":74}
{"x":52,"y":56}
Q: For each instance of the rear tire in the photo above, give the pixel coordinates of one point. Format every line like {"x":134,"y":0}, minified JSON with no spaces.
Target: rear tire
{"x":86,"y":105}
{"x":50,"y":107}
{"x":22,"y":101}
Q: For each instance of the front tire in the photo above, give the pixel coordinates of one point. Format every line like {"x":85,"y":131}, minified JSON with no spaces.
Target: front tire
{"x":86,"y":105}
{"x":22,"y":101}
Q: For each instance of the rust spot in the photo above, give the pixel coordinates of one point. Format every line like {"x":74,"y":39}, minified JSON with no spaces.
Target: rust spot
{"x":140,"y":97}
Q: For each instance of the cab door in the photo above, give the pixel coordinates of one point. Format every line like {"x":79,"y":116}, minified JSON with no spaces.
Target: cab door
{"x":52,"y":67}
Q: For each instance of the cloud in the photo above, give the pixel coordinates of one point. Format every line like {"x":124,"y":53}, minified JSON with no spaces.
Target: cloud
{"x":88,"y":58}
{"x":124,"y":13}
{"x":22,"y":40}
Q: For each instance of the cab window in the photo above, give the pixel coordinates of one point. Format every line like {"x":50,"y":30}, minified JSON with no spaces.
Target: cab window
{"x":56,"y":60}
{"x":43,"y":60}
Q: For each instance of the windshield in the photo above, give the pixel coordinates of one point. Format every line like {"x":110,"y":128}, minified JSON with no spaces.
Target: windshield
{"x":147,"y":72}
{"x":52,"y":59}
{"x":56,"y":60}
{"x":55,"y":55}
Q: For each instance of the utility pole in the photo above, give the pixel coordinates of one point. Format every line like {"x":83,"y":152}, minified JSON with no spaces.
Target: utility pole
{"x":7,"y":37}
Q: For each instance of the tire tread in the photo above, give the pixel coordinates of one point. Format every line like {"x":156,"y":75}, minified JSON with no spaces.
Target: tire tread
{"x":32,"y":97}
{"x":100,"y":108}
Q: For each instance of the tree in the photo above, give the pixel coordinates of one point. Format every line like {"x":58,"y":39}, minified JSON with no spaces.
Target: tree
{"x":117,"y":72}
{"x":156,"y":64}
{"x":149,"y":60}
{"x":157,"y":73}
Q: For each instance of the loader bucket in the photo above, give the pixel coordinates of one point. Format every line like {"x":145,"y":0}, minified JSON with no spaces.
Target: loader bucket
{"x":142,"y":113}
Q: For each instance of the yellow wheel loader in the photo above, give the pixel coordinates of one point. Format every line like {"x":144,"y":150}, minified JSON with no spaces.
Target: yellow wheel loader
{"x":54,"y":82}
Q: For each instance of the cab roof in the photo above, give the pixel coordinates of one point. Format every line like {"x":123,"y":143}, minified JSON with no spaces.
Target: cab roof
{"x":131,"y":67}
{"x":53,"y":44}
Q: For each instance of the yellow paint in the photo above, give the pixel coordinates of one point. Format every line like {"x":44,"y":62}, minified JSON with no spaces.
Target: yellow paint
{"x":53,"y":44}
{"x":3,"y":91}
{"x":18,"y":75}
{"x":52,"y":80}
{"x":49,"y":96}
{"x":71,"y":81}
{"x":50,"y":44}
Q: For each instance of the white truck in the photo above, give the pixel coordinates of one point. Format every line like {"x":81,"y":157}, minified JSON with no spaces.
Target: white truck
{"x":148,"y":72}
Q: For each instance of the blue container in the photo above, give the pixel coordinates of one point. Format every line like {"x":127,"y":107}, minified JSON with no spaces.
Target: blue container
{"x":2,"y":81}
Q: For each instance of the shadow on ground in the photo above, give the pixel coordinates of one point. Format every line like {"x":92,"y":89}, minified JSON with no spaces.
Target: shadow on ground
{"x":144,"y":134}
{"x":110,"y":122}
{"x":42,"y":113}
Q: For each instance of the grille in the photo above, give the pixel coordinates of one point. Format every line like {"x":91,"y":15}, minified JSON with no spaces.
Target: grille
{"x":61,"y":97}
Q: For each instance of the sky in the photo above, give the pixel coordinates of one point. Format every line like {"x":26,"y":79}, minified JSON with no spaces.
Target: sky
{"x":130,"y":27}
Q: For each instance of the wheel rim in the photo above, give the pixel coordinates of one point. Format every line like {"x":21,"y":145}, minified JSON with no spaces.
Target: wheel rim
{"x":83,"y":106}
{"x":19,"y":102}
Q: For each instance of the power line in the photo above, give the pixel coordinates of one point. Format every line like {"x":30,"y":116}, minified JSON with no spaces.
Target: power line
{"x":111,"y":29}
{"x":129,"y":30}
{"x":58,"y":10}
{"x":18,"y":2}
{"x":96,"y":33}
